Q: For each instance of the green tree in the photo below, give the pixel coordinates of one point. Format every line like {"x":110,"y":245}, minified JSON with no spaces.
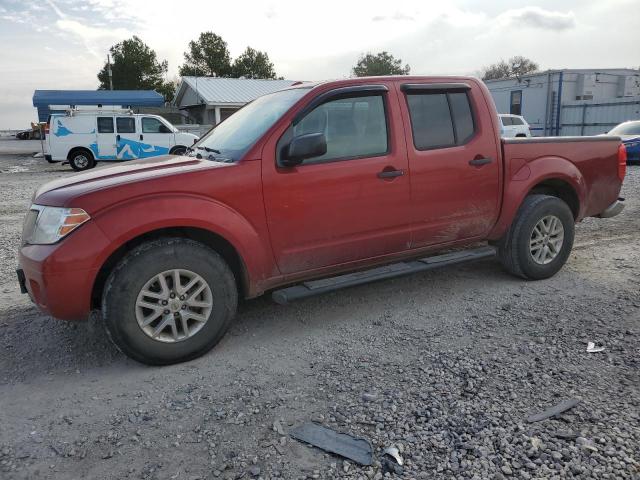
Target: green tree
{"x":135,"y":66}
{"x":382,"y":63}
{"x":253,"y":64}
{"x":514,"y":67}
{"x":207,"y":56}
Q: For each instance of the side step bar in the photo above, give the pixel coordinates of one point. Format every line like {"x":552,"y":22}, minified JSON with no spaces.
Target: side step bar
{"x":317,"y":287}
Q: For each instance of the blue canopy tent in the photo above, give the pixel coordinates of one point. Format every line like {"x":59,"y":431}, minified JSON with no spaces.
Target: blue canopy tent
{"x":43,"y":99}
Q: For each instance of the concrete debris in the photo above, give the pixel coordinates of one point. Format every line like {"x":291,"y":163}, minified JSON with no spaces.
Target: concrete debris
{"x":553,"y":411}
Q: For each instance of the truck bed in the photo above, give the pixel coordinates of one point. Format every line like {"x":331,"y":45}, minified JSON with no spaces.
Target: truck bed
{"x":590,"y":164}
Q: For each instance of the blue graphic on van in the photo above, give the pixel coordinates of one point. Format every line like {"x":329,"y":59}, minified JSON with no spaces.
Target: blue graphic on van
{"x":130,"y":149}
{"x":96,"y":153}
{"x":62,"y":131}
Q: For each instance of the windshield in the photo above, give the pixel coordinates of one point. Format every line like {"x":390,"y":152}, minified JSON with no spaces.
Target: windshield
{"x":631,"y":128}
{"x":231,"y":139}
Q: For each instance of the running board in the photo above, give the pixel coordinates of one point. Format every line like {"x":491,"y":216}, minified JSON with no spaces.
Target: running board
{"x":317,"y":287}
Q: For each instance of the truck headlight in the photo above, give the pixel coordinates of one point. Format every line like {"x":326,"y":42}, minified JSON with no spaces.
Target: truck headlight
{"x":45,"y":225}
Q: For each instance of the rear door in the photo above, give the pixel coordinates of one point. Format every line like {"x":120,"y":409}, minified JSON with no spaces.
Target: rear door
{"x":453,"y":158}
{"x":351,"y":203}
{"x":128,"y":144}
{"x":105,"y":138}
{"x":155,"y":137}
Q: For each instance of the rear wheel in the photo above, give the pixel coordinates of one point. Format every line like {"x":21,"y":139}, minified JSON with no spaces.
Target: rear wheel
{"x":540,"y":239}
{"x":169,"y":301}
{"x":81,"y":159}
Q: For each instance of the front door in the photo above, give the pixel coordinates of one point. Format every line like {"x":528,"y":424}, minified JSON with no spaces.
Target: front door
{"x":454,"y":163}
{"x":127,"y":138}
{"x":156,"y":138}
{"x":352,"y":202}
{"x":105,"y":139}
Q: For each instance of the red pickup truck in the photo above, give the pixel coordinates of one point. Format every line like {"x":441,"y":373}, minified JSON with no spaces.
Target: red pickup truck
{"x":296,"y":190}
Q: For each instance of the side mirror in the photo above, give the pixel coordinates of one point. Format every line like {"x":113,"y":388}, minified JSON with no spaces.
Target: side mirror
{"x":165,"y":129}
{"x":302,"y":147}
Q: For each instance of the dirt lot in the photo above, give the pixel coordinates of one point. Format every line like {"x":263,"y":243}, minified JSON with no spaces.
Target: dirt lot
{"x":446,"y":365}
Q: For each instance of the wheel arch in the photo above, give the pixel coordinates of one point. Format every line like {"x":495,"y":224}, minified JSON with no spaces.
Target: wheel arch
{"x":176,"y":147}
{"x":553,"y":176}
{"x":557,"y":187}
{"x":80,"y":149}
{"x":213,"y":240}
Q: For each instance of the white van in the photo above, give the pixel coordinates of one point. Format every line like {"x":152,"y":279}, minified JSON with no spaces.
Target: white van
{"x":84,"y":137}
{"x":514,"y":126}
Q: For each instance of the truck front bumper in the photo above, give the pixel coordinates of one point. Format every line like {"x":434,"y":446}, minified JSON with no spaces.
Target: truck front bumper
{"x":612,"y":210}
{"x":59,"y":278}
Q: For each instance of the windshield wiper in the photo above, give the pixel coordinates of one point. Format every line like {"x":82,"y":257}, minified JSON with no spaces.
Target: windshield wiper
{"x":209,"y":149}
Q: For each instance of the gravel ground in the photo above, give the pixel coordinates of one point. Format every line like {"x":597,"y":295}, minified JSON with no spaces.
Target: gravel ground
{"x":446,"y":365}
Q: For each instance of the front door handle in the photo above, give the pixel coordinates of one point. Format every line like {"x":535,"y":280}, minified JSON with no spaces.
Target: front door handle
{"x":117,"y":138}
{"x":141,"y":137}
{"x":479,"y":161}
{"x":390,"y":173}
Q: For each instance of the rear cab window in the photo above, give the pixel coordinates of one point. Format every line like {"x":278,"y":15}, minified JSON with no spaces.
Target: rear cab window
{"x":440,"y":117}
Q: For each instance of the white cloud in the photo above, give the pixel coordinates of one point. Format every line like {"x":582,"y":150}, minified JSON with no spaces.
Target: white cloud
{"x":535,"y":17}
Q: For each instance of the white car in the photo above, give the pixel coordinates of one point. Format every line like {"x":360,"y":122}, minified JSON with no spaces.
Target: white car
{"x":84,"y":137}
{"x":514,"y":126}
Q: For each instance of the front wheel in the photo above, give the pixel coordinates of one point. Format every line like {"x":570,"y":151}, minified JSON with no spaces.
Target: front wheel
{"x":540,"y":239}
{"x":179,"y":150}
{"x":168,"y":301}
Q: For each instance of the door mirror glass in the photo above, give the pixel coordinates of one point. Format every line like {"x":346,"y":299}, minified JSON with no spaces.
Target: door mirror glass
{"x":302,"y":147}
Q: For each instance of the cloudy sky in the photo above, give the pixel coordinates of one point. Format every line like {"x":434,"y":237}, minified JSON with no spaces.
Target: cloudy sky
{"x":62,"y":44}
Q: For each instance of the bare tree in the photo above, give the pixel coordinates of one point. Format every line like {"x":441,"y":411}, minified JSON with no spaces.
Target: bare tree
{"x":514,"y":67}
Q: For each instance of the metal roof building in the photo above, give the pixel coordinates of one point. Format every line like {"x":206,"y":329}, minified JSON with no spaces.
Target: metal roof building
{"x":212,"y":99}
{"x":43,"y":100}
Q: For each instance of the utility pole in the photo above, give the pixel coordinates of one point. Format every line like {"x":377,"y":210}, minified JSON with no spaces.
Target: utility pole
{"x":110,"y":73}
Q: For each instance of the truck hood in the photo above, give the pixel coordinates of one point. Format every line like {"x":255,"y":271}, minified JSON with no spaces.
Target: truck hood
{"x":73,"y":185}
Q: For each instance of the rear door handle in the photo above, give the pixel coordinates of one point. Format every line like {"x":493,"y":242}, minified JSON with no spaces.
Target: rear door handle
{"x":478,"y":162}
{"x":390,"y":173}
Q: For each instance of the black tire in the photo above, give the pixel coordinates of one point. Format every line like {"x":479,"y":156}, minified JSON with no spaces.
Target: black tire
{"x":514,"y":250}
{"x":142,"y":264}
{"x":179,"y":150}
{"x":81,"y":159}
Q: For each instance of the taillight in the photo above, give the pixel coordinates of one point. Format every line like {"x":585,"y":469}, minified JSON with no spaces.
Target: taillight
{"x":622,"y":161}
{"x":46,"y":128}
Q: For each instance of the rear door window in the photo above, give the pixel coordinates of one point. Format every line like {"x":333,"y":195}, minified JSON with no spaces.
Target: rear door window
{"x":430,"y":121}
{"x":462,"y":117}
{"x":126,"y":124}
{"x":105,"y":124}
{"x":506,"y":121}
{"x":440,"y":120}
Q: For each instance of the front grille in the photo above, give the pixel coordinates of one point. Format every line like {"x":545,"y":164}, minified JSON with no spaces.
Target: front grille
{"x":29,"y":225}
